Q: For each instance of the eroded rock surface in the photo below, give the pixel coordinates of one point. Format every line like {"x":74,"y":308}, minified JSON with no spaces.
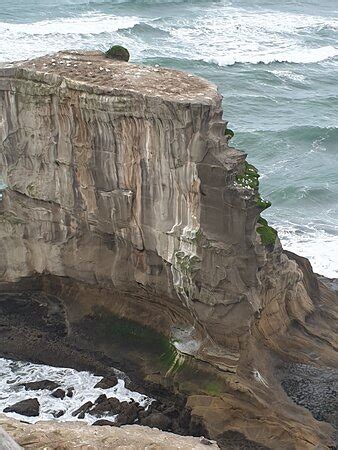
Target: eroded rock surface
{"x":124,"y":196}
{"x":75,"y":435}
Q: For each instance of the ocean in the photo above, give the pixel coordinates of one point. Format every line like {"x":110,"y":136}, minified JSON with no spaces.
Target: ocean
{"x":13,"y":374}
{"x":276,"y":64}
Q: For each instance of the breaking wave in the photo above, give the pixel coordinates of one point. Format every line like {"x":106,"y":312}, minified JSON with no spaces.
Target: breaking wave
{"x":86,"y":31}
{"x":316,"y":244}
{"x":299,"y":56}
{"x":90,"y":23}
{"x":13,"y":373}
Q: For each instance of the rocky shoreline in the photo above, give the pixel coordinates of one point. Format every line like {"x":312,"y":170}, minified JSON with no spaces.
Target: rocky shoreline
{"x":21,"y":336}
{"x":39,"y":336}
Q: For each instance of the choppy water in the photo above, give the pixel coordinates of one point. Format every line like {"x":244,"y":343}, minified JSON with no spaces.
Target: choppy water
{"x":276,"y":64}
{"x":13,"y":373}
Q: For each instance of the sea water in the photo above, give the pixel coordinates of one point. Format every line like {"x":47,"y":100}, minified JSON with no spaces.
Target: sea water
{"x":276,"y":64}
{"x":14,"y":373}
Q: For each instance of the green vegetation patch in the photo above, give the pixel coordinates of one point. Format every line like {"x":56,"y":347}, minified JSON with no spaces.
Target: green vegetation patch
{"x":135,"y":337}
{"x":250,"y":177}
{"x":228,"y":132}
{"x":267,"y":233}
{"x":262,"y":204}
{"x":213,"y":387}
{"x":118,"y":52}
{"x":250,"y":180}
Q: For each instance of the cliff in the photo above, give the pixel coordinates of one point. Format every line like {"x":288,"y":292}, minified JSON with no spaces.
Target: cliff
{"x":125,"y":201}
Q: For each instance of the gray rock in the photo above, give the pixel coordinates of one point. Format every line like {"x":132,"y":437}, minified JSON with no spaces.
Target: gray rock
{"x":70,"y":392}
{"x":29,"y":407}
{"x":82,"y":410}
{"x":110,"y":405}
{"x":104,"y":422}
{"x":40,"y":385}
{"x":59,"y":393}
{"x":157,"y":420}
{"x":107,"y":382}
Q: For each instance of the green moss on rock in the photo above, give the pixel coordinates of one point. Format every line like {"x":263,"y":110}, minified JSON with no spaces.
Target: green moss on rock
{"x":262,"y":204}
{"x":250,"y":180}
{"x":134,"y":337}
{"x":250,"y":177}
{"x":118,"y":52}
{"x":228,"y":132}
{"x":267,"y":233}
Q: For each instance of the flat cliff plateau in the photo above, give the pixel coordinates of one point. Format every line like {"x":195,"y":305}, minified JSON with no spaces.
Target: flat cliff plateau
{"x":127,"y":210}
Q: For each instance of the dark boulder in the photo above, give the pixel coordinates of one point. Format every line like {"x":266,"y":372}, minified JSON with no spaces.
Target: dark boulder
{"x":103,"y":422}
{"x":129,"y":414}
{"x":110,"y":405}
{"x":70,"y":392}
{"x":29,"y":407}
{"x":172,"y":412}
{"x":107,"y":382}
{"x":82,"y":410}
{"x":59,"y":393}
{"x":157,"y":420}
{"x":39,"y":385}
{"x":100,"y":399}
{"x":58,"y":414}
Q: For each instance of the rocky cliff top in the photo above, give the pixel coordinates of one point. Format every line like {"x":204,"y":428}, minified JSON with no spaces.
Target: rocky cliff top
{"x":93,"y":68}
{"x":71,"y":435}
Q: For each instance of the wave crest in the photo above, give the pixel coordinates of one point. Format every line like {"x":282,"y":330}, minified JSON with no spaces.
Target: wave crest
{"x":298,"y":56}
{"x":90,"y":23}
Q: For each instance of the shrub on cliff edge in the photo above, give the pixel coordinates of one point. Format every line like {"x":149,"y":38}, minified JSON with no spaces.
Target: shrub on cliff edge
{"x":118,"y":52}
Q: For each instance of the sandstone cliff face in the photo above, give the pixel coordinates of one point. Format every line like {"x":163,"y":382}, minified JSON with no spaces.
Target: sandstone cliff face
{"x":120,"y":177}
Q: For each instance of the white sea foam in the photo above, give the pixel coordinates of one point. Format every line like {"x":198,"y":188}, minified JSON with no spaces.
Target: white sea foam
{"x":222,"y":35}
{"x":319,"y":246}
{"x":287,"y":75}
{"x":297,"y":56}
{"x":90,"y":23}
{"x":228,"y":36}
{"x":13,"y":373}
{"x":22,"y":40}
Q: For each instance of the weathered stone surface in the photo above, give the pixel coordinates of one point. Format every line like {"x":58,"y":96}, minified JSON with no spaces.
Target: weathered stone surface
{"x":156,"y":420}
{"x":70,"y":392}
{"x":107,"y":382}
{"x":123,"y":193}
{"x":7,"y":443}
{"x":29,"y":407}
{"x":75,"y":435}
{"x":83,"y":409}
{"x":43,"y":384}
{"x":59,"y":393}
{"x":109,"y":405}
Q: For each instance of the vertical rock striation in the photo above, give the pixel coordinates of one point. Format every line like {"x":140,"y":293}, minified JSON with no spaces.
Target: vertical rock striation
{"x":120,"y":177}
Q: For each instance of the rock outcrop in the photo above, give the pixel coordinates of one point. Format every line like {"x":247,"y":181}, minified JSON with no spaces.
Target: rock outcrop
{"x":75,"y":435}
{"x":124,"y":200}
{"x":29,"y":407}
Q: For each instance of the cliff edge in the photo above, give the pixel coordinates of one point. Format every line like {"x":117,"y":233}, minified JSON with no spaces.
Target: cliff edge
{"x":126,"y":202}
